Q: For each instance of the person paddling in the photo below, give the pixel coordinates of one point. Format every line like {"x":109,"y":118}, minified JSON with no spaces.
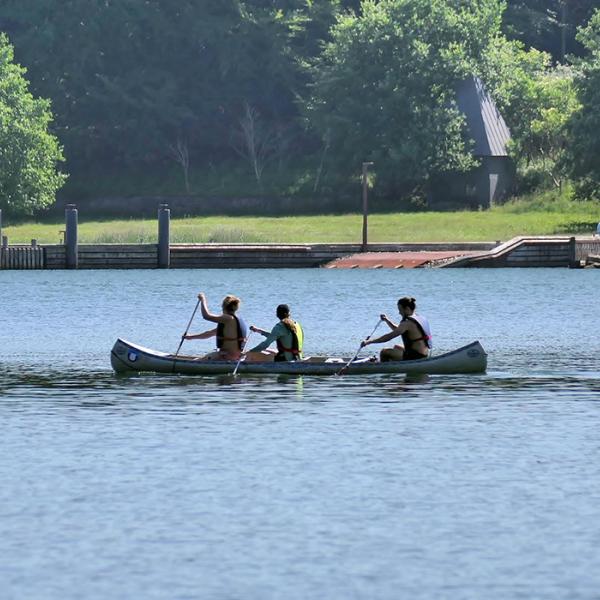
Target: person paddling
{"x":287,"y":333}
{"x":231,"y":330}
{"x":415,"y":332}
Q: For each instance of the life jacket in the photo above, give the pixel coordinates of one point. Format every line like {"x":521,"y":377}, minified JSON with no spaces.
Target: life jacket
{"x":297,"y":343}
{"x":424,"y":329}
{"x":242,"y":333}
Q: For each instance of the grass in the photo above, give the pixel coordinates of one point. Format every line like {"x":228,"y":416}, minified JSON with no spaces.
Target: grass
{"x":542,"y":214}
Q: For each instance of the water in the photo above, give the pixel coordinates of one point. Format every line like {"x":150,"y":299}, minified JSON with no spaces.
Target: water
{"x":279,"y":487}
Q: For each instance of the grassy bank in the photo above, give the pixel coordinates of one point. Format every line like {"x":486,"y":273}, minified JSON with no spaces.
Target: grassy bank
{"x":531,"y":216}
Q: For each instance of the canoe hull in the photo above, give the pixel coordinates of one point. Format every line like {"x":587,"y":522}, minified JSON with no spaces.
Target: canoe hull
{"x":127,"y":357}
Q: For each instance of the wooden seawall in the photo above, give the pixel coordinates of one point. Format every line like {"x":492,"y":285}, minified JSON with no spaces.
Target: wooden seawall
{"x":519,"y":252}
{"x":547,"y":251}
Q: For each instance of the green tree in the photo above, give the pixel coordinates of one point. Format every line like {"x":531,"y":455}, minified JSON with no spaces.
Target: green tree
{"x":548,"y":25}
{"x":133,"y":79}
{"x":384,"y":87}
{"x":584,"y":152}
{"x":29,"y":154}
{"x":550,"y":137}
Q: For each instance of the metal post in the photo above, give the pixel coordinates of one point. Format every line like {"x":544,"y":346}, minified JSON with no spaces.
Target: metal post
{"x":0,"y":223}
{"x":71,"y":236}
{"x":5,"y":241}
{"x":164,"y":236}
{"x":365,"y":188}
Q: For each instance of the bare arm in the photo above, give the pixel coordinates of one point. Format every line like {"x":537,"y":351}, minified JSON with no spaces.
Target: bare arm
{"x":387,"y":336}
{"x":387,"y":321}
{"x":259,"y":330}
{"x":207,"y":315}
{"x":201,"y":336}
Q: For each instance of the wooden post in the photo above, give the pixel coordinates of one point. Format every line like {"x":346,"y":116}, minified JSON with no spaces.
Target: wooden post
{"x":573,"y":262}
{"x":4,"y":242}
{"x":164,"y":236}
{"x":365,"y":191}
{"x":72,"y":258}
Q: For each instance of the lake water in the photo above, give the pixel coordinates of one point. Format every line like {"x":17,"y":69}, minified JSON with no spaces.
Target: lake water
{"x":474,"y":487}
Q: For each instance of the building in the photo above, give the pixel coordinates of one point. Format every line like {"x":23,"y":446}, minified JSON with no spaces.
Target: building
{"x":493,"y":180}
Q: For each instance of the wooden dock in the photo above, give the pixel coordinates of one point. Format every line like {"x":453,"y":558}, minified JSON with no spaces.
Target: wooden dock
{"x":22,"y":257}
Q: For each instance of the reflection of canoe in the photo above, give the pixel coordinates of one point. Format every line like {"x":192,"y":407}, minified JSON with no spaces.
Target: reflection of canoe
{"x":127,"y":357}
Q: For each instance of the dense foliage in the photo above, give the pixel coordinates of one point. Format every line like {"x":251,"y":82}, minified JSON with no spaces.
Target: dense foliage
{"x":28,"y":152}
{"x":548,"y":25}
{"x":274,"y":85}
{"x":584,"y":141}
{"x":385,"y":86}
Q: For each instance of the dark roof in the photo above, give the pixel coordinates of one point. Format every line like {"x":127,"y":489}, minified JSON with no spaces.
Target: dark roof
{"x":484,"y":122}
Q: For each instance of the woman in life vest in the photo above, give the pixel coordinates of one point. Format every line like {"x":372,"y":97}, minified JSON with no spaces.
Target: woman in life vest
{"x":287,"y":333}
{"x":414,"y":330}
{"x":231,"y":330}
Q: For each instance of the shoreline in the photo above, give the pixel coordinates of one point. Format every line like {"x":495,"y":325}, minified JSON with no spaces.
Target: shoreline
{"x":532,"y":251}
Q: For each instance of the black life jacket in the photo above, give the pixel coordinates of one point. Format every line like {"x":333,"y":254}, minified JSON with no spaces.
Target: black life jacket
{"x":297,"y":344}
{"x":242,"y":333}
{"x":423,"y":327}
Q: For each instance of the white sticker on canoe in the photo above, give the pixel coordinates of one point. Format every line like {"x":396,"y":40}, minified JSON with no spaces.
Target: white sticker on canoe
{"x":132,"y":356}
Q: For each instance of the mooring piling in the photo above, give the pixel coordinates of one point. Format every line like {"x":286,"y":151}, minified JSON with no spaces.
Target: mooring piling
{"x":164,"y":236}
{"x":72,"y":258}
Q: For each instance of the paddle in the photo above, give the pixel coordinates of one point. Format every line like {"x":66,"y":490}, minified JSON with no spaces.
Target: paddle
{"x":359,"y":349}
{"x":187,"y":328}
{"x":237,"y":366}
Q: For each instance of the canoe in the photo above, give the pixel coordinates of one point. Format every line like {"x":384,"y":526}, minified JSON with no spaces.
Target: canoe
{"x":127,"y":357}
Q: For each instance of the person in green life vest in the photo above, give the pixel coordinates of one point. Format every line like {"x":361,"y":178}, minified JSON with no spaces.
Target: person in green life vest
{"x":287,"y":333}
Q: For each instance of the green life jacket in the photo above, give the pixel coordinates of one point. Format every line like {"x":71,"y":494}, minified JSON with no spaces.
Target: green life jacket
{"x":297,"y":343}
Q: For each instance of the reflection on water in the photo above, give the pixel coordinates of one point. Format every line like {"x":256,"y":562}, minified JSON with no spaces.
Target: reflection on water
{"x":21,"y":382}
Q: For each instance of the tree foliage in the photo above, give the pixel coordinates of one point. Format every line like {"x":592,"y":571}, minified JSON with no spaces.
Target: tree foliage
{"x":29,"y":154}
{"x":384,"y":87}
{"x":130,"y":78}
{"x":141,"y":83}
{"x":548,"y":25}
{"x":584,"y":151}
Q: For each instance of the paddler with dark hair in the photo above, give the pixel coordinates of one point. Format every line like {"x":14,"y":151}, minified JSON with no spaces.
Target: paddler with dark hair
{"x":231,"y":330}
{"x":287,"y":333}
{"x":414,"y":330}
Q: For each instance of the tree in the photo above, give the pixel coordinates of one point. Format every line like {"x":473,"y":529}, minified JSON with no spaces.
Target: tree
{"x":550,"y":137}
{"x":29,"y":153}
{"x":384,"y":87}
{"x":584,"y":152}
{"x":129,"y":77}
{"x":548,"y":25}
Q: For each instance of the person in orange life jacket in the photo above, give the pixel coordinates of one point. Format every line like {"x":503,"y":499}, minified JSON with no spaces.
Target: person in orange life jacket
{"x":287,"y":333}
{"x":231,"y":331}
{"x":414,"y":330}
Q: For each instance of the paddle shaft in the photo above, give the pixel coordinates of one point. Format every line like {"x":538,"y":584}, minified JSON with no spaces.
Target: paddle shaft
{"x":187,"y":328}
{"x":237,"y":366}
{"x":359,"y":349}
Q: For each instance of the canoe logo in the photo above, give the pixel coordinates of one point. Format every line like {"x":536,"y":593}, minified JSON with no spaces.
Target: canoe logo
{"x":132,"y":356}
{"x":473,"y":353}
